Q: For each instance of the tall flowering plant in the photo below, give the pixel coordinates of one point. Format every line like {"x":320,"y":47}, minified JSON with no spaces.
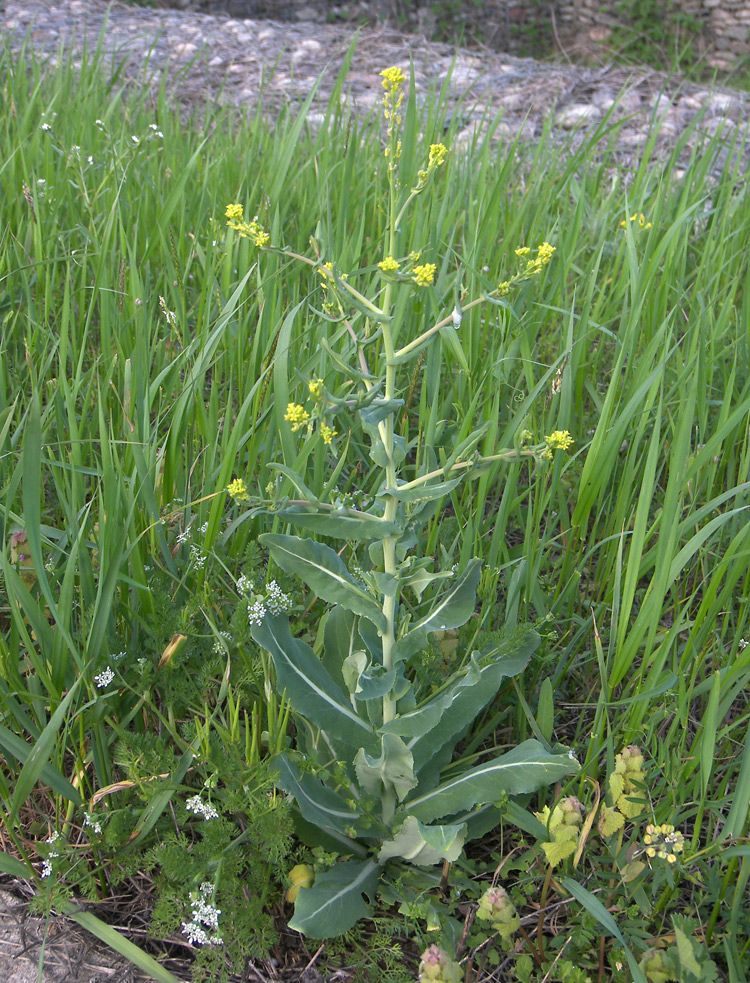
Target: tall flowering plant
{"x":366,"y":774}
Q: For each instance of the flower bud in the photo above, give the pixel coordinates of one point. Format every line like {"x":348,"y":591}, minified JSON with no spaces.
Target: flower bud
{"x":300,"y":876}
{"x":496,"y":907}
{"x":437,"y":966}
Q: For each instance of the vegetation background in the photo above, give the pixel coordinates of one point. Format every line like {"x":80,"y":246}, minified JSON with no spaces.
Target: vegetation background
{"x":149,"y":358}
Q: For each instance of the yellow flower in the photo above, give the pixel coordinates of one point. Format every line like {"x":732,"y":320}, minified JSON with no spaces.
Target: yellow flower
{"x":414,"y":257}
{"x":238,"y":490}
{"x":544,"y":252}
{"x":393,"y":78}
{"x":636,"y":217}
{"x":522,"y":251}
{"x":296,"y":415}
{"x":389,"y":265}
{"x":327,"y":433}
{"x":316,"y":387}
{"x":559,"y":440}
{"x":503,"y":289}
{"x":424,"y":275}
{"x":438,"y":153}
{"x":663,"y":842}
{"x":248,"y":230}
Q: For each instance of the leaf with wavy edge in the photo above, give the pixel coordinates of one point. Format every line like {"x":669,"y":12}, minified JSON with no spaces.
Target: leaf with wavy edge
{"x":424,"y":845}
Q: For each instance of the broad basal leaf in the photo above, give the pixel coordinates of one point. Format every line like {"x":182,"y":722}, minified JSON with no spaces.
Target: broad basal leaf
{"x":318,"y":804}
{"x":335,"y":901}
{"x":324,"y":572}
{"x":424,"y":845}
{"x":524,"y":769}
{"x":309,"y":687}
{"x":452,"y":609}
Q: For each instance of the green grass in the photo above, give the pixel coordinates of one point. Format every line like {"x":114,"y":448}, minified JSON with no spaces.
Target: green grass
{"x":148,"y":356}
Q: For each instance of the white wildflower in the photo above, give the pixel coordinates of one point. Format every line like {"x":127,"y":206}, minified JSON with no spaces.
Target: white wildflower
{"x":197,"y":556}
{"x":104,"y":678}
{"x":198,"y":807}
{"x":90,"y":820}
{"x":244,"y":585}
{"x":277,"y":601}
{"x":256,"y":612}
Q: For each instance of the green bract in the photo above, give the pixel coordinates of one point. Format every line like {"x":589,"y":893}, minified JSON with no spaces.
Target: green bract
{"x":367,"y":773}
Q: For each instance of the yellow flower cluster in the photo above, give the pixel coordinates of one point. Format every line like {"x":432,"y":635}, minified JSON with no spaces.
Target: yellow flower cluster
{"x":327,"y":433}
{"x":438,"y":152}
{"x":559,"y":440}
{"x":640,"y":218}
{"x":237,"y":489}
{"x":296,"y":415}
{"x":389,"y":264}
{"x":424,"y":275}
{"x":533,"y":265}
{"x":393,"y":79}
{"x":663,"y":842}
{"x":248,"y":230}
{"x":316,"y":388}
{"x":538,"y":262}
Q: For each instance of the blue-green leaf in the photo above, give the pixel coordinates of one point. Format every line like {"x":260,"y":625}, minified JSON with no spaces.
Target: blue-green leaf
{"x":524,"y":769}
{"x":422,"y":493}
{"x":338,"y":525}
{"x":424,"y":845}
{"x":393,"y":769}
{"x":451,"y":610}
{"x":324,"y":572}
{"x":309,"y":687}
{"x":463,"y":699}
{"x":335,"y":901}
{"x":318,"y":804}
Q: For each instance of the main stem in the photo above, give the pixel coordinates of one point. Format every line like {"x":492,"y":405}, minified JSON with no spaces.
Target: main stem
{"x":391,"y":504}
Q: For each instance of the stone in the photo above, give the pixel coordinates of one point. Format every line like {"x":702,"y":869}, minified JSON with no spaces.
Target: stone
{"x":576,"y":114}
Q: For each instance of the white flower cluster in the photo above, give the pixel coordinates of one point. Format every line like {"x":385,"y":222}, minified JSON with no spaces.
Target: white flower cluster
{"x":277,"y":601}
{"x":256,"y":612}
{"x":198,"y":807}
{"x":197,"y":556}
{"x":53,"y":855}
{"x":244,"y":585}
{"x":89,"y":819}
{"x":204,"y":916}
{"x":221,"y":646}
{"x":104,"y":678}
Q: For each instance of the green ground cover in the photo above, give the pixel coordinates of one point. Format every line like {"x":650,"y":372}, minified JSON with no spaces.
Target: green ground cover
{"x":178,"y":400}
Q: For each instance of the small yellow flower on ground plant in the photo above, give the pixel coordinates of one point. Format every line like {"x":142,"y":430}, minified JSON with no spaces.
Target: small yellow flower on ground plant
{"x":316,"y":388}
{"x":424,"y":275}
{"x":238,"y":490}
{"x":235,"y":212}
{"x":296,"y":415}
{"x":389,"y":264}
{"x":663,"y":842}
